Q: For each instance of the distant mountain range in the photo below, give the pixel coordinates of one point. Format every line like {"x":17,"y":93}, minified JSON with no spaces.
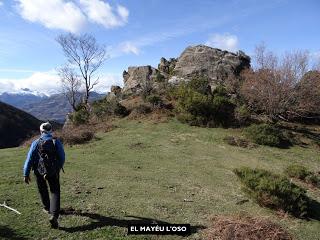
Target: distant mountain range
{"x":54,"y":107}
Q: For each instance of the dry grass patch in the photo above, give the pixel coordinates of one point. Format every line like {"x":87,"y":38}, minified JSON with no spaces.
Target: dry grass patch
{"x":72,"y":135}
{"x":238,"y":142}
{"x":244,"y":228}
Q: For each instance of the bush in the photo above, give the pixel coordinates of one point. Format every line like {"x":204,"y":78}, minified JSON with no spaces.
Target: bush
{"x":80,"y":116}
{"x":242,"y":115}
{"x":220,"y":91}
{"x":302,"y":173}
{"x":223,"y":111}
{"x":102,"y":108}
{"x":143,"y":109}
{"x":274,"y":191}
{"x":196,"y":108}
{"x":76,"y":136}
{"x":313,"y":179}
{"x":155,"y":100}
{"x":265,"y":134}
{"x":297,"y":171}
{"x":160,"y":78}
{"x":200,"y":85}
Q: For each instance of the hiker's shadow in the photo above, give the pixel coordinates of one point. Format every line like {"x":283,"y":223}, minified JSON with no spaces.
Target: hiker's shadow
{"x":99,"y":221}
{"x":8,"y":233}
{"x":314,"y":209}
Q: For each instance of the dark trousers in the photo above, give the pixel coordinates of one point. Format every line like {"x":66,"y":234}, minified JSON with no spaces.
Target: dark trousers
{"x":52,"y":205}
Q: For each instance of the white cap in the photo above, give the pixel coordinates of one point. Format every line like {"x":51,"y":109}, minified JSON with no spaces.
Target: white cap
{"x":46,"y":127}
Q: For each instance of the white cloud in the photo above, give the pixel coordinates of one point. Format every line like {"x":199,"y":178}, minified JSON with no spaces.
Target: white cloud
{"x":106,"y":81}
{"x":43,"y":82}
{"x":1,"y":3}
{"x":49,"y":83}
{"x":223,"y":41}
{"x":129,"y":47}
{"x":102,"y":13}
{"x":315,"y":55}
{"x":56,"y":14}
{"x":72,"y":16}
{"x":123,"y":12}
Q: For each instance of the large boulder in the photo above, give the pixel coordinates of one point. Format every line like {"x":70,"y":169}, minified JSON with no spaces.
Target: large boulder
{"x":115,"y":93}
{"x":211,"y":63}
{"x":138,"y":79}
{"x":166,"y":66}
{"x":195,"y":61}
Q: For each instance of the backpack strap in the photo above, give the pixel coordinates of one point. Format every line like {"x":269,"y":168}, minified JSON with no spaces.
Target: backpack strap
{"x":55,"y":146}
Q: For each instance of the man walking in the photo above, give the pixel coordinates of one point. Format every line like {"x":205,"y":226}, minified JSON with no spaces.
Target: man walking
{"x":46,"y":157}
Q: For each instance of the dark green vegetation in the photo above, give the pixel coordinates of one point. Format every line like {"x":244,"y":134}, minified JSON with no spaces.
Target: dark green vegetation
{"x":265,"y":134}
{"x":198,"y":106}
{"x":104,"y":107}
{"x":274,"y":191}
{"x":302,"y":173}
{"x":15,"y":126}
{"x":169,"y":172}
{"x":297,"y":171}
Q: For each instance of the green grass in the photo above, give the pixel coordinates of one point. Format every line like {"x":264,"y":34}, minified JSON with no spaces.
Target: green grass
{"x":148,"y":170}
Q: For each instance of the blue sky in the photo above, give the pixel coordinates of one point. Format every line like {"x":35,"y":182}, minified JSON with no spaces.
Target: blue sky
{"x":140,"y":32}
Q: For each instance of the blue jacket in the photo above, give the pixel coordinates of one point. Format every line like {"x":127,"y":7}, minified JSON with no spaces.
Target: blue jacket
{"x":33,"y":156}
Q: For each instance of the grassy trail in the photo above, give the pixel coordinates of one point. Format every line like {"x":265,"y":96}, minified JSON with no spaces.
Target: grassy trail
{"x":169,"y":172}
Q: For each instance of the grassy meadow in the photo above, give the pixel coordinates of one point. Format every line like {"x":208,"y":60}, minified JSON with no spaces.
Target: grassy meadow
{"x":144,"y":172}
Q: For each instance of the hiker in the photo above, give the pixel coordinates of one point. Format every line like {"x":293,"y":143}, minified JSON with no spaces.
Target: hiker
{"x":46,"y":157}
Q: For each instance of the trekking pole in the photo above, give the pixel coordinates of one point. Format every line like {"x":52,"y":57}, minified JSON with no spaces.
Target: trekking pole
{"x":10,"y":208}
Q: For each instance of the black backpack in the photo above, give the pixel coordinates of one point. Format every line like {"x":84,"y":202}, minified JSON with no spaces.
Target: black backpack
{"x":47,"y":164}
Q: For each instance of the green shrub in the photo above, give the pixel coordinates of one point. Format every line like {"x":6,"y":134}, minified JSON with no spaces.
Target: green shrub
{"x":313,"y":179}
{"x":143,"y":109}
{"x":302,"y":173}
{"x":155,"y":100}
{"x":264,"y":134}
{"x":200,"y":85}
{"x":274,"y":191}
{"x":102,"y":108}
{"x":242,"y":115}
{"x":297,"y":171}
{"x":223,"y":110}
{"x":80,"y":116}
{"x":200,"y":109}
{"x":160,"y":78}
{"x":220,"y":91}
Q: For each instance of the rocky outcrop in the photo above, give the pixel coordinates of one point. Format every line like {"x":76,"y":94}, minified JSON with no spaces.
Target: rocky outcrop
{"x":137,"y":79}
{"x":115,"y":94}
{"x":195,"y":61}
{"x":212,"y":63}
{"x":166,"y":67}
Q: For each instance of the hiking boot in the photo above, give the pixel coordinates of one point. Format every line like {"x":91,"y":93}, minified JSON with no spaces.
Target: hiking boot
{"x":54,"y":222}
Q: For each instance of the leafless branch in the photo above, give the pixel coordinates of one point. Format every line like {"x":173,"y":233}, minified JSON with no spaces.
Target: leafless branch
{"x":86,"y":55}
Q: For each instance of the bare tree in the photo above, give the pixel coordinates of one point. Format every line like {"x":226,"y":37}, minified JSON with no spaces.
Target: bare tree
{"x":294,"y":66}
{"x":264,"y":59}
{"x":71,"y":85}
{"x":85,"y":57}
{"x":270,"y":88}
{"x":308,"y":95}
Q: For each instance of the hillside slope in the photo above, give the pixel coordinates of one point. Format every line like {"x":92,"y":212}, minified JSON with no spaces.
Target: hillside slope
{"x":54,"y":107}
{"x":15,"y":126}
{"x":141,"y":171}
